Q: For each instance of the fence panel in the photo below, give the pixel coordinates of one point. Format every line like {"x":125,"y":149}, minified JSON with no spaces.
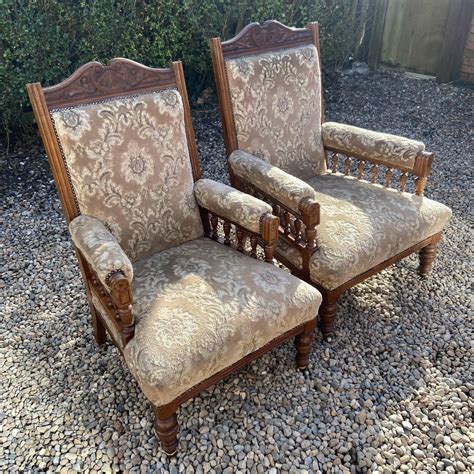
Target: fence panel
{"x":413,"y":34}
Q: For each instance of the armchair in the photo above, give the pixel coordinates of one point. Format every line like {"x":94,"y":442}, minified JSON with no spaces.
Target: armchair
{"x":166,"y":256}
{"x":332,"y":185}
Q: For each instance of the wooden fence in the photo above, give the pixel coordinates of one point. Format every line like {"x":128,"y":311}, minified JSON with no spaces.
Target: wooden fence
{"x":424,"y":36}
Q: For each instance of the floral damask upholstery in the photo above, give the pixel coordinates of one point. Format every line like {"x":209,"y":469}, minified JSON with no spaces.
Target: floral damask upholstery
{"x":270,"y":179}
{"x":390,"y":149}
{"x":99,"y":247}
{"x":128,"y":163}
{"x":231,"y":204}
{"x":362,"y":225}
{"x":202,"y":306}
{"x":276,"y":108}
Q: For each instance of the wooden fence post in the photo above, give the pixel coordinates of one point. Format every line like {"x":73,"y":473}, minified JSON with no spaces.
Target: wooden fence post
{"x":376,"y":37}
{"x":457,"y":30}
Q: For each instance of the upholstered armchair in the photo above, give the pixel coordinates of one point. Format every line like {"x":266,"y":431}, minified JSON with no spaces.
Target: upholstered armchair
{"x":166,"y":256}
{"x":332,"y":185}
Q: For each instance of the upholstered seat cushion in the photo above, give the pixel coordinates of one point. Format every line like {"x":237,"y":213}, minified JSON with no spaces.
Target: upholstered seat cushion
{"x":363,"y":225}
{"x":202,"y":306}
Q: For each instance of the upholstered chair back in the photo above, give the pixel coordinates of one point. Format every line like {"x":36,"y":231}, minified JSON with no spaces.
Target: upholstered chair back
{"x":275,"y":97}
{"x":128,"y":164}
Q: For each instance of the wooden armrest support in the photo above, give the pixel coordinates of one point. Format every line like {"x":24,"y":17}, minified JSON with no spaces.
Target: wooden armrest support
{"x":266,"y":238}
{"x":291,"y":221}
{"x":117,"y":298}
{"x":121,"y":293}
{"x":420,"y":170}
{"x":310,"y":215}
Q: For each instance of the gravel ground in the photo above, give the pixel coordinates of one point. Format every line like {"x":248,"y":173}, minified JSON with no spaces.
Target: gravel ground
{"x":392,"y":392}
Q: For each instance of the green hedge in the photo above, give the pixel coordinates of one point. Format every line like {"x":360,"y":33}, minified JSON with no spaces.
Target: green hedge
{"x":46,"y":40}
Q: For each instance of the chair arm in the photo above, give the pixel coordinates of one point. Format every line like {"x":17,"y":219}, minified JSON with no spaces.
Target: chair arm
{"x":276,"y":183}
{"x":233,"y":205}
{"x":100,"y":249}
{"x":391,"y":150}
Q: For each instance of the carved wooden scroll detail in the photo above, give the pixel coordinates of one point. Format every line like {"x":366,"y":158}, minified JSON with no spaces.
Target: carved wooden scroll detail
{"x":270,"y":36}
{"x":94,"y":81}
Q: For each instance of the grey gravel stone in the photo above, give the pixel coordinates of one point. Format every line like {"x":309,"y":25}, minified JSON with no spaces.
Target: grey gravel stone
{"x":395,"y":382}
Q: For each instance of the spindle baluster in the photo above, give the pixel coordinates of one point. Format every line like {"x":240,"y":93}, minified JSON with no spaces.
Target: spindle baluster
{"x":286,"y":222}
{"x":347,"y":165}
{"x":214,"y":224}
{"x":334,"y":162}
{"x":388,"y":178}
{"x":297,"y":225}
{"x":374,"y":171}
{"x":253,"y":245}
{"x":241,"y":237}
{"x":227,"y":228}
{"x":403,"y":180}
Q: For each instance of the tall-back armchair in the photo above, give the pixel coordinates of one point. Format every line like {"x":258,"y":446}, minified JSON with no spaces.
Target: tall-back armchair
{"x":350,"y":201}
{"x":169,"y":260}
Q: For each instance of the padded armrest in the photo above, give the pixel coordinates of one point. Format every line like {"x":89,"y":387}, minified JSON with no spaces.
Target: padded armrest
{"x":100,"y":248}
{"x":227,"y":202}
{"x":273,"y":181}
{"x":390,"y":149}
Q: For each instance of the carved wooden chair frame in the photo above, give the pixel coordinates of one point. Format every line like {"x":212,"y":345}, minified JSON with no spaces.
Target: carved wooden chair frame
{"x":94,"y":82}
{"x":274,"y":36}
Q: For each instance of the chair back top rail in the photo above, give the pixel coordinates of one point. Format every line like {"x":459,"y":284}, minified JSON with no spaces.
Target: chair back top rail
{"x":95,"y":81}
{"x":258,"y":38}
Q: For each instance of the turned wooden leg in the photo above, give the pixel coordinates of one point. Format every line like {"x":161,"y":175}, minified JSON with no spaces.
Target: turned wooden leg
{"x":100,"y":333}
{"x":303,"y":343}
{"x":166,"y":427}
{"x":427,"y":256}
{"x":327,"y":316}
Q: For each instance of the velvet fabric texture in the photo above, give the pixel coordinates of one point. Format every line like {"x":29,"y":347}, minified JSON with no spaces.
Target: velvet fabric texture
{"x":270,"y":179}
{"x":232,"y":204}
{"x":390,"y":149}
{"x":362,"y":225}
{"x":276,"y":108}
{"x":99,"y":247}
{"x":129,"y":166}
{"x":202,"y":306}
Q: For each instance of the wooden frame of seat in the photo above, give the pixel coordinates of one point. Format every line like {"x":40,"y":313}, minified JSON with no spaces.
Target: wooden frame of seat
{"x":122,"y":77}
{"x":270,"y":36}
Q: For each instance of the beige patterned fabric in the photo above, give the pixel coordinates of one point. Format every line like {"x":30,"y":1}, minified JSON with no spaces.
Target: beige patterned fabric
{"x":231,"y":204}
{"x":362,"y":225}
{"x":390,"y":149}
{"x":202,"y":306}
{"x":99,"y":247}
{"x":129,"y":166}
{"x":276,"y":105}
{"x":270,"y":179}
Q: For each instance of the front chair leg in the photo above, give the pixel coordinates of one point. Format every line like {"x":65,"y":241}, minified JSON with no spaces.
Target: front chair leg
{"x":166,"y":428}
{"x":427,"y":257}
{"x":303,"y":343}
{"x":327,"y":316}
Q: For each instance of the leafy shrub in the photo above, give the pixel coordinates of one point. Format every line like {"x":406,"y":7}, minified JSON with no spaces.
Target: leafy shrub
{"x":46,"y":40}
